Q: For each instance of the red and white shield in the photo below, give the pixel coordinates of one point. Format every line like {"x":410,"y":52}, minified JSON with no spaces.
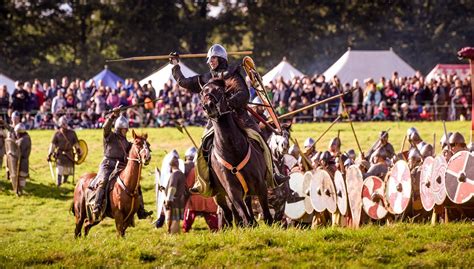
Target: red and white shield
{"x":426,"y":193}
{"x":437,"y":180}
{"x":398,"y":188}
{"x":355,"y":182}
{"x":294,"y":208}
{"x":341,"y":192}
{"x":459,"y":178}
{"x":322,"y":192}
{"x":373,"y":197}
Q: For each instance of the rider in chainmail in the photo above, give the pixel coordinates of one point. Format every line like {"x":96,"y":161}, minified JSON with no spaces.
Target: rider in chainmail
{"x":116,"y":148}
{"x":237,"y":92}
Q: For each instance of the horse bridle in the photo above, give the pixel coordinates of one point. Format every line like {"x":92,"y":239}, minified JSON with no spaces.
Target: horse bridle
{"x":139,"y":160}
{"x":218,"y":101}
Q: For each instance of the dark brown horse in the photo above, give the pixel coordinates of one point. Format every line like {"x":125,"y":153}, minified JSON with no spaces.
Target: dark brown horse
{"x":237,"y":162}
{"x":123,"y":198}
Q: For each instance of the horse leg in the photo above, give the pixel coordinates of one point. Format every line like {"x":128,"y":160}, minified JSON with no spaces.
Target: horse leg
{"x":234,"y":213}
{"x":87,"y":227}
{"x":248,"y":203}
{"x":80,"y":215}
{"x":227,"y":212}
{"x":263,"y":199}
{"x":240,"y":207}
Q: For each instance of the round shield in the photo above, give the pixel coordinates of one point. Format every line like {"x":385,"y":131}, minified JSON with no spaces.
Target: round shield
{"x":329,"y":194}
{"x":294,"y":207}
{"x":459,"y":177}
{"x":341,"y":193}
{"x":373,"y":197}
{"x":398,"y":188}
{"x":84,"y":151}
{"x":308,"y":176}
{"x":437,"y":180}
{"x":427,"y":197}
{"x":354,"y":192}
{"x":317,"y":190}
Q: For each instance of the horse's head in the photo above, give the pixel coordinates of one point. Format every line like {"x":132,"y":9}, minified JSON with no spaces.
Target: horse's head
{"x":213,"y":99}
{"x":280,"y":143}
{"x":140,"y":151}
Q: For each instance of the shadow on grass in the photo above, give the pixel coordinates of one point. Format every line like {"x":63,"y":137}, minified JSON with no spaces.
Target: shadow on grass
{"x":39,"y":190}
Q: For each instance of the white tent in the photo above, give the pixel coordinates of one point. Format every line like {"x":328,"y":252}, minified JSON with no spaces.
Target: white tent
{"x":7,"y":81}
{"x":163,"y":75}
{"x":284,"y":69}
{"x":460,"y":70}
{"x":363,"y":64}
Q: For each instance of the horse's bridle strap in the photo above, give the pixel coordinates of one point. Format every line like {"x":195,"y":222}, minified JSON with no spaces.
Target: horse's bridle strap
{"x":236,"y":169}
{"x":122,"y":185}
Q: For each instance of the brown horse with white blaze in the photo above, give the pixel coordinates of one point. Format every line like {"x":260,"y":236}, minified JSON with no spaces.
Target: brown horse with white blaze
{"x":123,"y":201}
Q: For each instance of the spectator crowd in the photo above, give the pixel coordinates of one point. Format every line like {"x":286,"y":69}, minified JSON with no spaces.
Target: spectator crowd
{"x":395,"y":98}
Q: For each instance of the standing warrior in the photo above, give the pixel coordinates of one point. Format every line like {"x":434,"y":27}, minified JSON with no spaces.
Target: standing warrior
{"x":382,"y":143}
{"x":15,"y":120}
{"x":175,"y":197}
{"x":196,"y":204}
{"x":457,"y":143}
{"x":63,"y":148}
{"x":237,"y":97}
{"x":379,"y":167}
{"x":23,"y":144}
{"x":2,"y":145}
{"x":116,"y":148}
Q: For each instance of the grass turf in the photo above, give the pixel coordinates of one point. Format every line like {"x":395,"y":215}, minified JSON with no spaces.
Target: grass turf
{"x":37,"y":228}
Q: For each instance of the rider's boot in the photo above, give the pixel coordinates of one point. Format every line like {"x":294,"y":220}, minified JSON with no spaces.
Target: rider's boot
{"x":98,"y":203}
{"x":142,"y":213}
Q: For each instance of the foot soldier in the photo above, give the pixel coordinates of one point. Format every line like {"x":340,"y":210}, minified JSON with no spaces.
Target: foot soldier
{"x":309,"y":150}
{"x":457,"y":143}
{"x":63,"y":148}
{"x":382,"y":143}
{"x":237,"y":95}
{"x":415,"y":139}
{"x":444,"y":142}
{"x":18,"y":147}
{"x":116,"y":148}
{"x":197,"y":205}
{"x":379,"y":168}
{"x":175,"y":197}
{"x":2,"y":145}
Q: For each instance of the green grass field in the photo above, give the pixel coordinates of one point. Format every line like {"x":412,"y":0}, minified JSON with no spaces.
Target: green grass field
{"x":37,"y":228}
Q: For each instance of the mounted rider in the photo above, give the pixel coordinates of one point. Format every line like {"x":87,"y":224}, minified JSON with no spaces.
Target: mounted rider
{"x":116,"y":149}
{"x":63,"y":148}
{"x":237,"y":95}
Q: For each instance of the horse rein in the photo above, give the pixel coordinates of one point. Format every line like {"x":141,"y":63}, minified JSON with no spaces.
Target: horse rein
{"x":218,"y":102}
{"x":140,"y":162}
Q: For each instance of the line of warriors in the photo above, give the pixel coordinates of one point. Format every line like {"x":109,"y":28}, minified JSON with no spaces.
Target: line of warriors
{"x":378,"y":162}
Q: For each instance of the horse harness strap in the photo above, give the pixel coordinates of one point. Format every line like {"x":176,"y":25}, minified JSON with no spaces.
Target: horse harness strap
{"x":122,"y":185}
{"x":236,"y":169}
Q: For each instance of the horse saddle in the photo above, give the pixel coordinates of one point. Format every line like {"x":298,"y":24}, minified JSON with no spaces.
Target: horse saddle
{"x":92,"y":192}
